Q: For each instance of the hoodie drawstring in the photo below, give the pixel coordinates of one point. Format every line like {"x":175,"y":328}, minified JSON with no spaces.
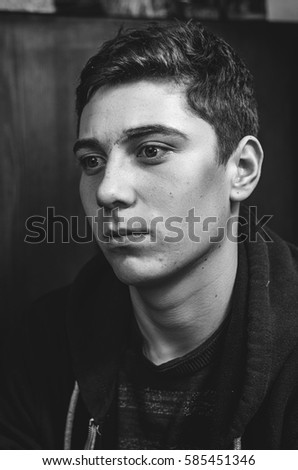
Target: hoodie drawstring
{"x":237,"y":443}
{"x":93,"y":429}
{"x":70,"y":417}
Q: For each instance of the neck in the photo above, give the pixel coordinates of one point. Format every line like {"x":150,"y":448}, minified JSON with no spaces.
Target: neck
{"x":178,"y":315}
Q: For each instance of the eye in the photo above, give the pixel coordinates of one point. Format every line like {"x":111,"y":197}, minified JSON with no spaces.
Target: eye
{"x":152,"y":152}
{"x":91,"y":163}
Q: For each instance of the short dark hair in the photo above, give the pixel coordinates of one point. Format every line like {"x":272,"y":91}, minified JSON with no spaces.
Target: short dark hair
{"x":218,"y":85}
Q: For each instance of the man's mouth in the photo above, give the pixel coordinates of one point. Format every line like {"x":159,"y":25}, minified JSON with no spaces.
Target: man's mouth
{"x":125,"y":233}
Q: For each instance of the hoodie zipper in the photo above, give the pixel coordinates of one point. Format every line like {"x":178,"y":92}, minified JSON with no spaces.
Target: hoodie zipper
{"x":93,"y":432}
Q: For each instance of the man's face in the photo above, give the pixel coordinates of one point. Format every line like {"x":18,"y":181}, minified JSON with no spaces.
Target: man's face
{"x":147,"y":155}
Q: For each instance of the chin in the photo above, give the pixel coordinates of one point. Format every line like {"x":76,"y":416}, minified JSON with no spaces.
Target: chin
{"x":148,"y":273}
{"x":152,"y":268}
{"x":136,"y":277}
{"x":139,"y":272}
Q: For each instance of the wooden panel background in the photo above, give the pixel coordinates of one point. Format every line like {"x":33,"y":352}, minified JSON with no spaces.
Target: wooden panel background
{"x":41,"y":57}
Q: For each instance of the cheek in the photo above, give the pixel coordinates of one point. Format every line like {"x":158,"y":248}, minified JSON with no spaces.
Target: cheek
{"x":207,"y":185}
{"x":87,"y":191}
{"x":204,"y":191}
{"x":178,"y":194}
{"x":83,"y":191}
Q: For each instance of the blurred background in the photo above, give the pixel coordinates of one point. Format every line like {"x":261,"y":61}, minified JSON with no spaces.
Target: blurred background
{"x":44,"y":45}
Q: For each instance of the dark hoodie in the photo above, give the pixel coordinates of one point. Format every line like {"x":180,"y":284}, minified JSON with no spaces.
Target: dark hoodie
{"x":79,"y":333}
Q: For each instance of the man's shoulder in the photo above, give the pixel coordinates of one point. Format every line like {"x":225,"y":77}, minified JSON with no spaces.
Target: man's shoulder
{"x":293,"y":250}
{"x":55,"y":303}
{"x":52,"y":301}
{"x":45,"y":315}
{"x":283,"y":258}
{"x":42,"y":328}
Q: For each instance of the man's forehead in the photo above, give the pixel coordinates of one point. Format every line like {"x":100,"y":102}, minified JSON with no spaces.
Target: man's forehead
{"x":169,"y":84}
{"x":138,"y":93}
{"x":124,"y":107}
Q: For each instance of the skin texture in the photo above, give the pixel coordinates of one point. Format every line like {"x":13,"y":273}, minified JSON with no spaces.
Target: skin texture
{"x":180,"y":289}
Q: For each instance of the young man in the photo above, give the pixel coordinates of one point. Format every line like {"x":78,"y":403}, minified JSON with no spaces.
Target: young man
{"x":187,"y":337}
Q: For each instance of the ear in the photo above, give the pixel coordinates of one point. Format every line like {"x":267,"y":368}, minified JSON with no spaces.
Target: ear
{"x":245,"y":165}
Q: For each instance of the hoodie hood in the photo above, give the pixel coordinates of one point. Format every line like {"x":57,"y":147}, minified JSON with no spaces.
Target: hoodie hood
{"x":263,"y":331}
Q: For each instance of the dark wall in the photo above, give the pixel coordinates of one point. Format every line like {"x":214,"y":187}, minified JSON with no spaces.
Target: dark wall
{"x":41,"y":57}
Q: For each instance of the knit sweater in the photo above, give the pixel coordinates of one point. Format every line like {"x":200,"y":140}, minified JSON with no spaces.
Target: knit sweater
{"x":168,"y":406}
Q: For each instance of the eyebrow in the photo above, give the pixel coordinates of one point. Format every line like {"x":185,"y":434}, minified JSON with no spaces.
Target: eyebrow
{"x":136,"y":132}
{"x":130,"y":134}
{"x":91,"y":143}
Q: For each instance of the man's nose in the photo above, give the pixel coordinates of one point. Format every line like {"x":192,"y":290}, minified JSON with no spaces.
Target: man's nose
{"x":116,"y":188}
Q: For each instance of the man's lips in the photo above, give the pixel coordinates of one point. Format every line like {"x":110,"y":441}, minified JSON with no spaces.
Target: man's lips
{"x":124,"y":232}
